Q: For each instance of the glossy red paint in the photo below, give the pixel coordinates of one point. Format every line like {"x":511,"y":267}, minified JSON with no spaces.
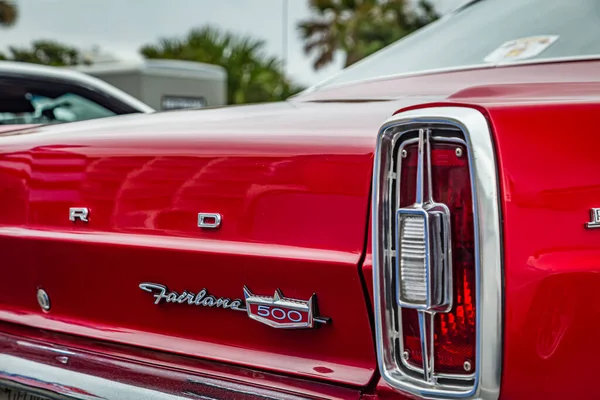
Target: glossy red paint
{"x":549,"y":173}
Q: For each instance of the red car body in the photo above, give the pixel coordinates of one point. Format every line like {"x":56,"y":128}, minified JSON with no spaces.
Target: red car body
{"x":293,"y":184}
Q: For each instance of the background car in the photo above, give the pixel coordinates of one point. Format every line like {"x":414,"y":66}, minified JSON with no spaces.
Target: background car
{"x":35,"y":94}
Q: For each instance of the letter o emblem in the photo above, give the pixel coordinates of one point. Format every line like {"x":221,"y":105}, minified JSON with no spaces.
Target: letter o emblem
{"x":293,"y":312}
{"x":280,"y":312}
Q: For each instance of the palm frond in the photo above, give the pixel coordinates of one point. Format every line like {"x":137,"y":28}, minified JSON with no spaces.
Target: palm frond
{"x":359,"y":27}
{"x":252,"y":75}
{"x":8,"y":13}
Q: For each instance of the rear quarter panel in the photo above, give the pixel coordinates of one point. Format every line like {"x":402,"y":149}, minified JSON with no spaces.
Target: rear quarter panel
{"x":549,"y":175}
{"x":294,"y":218}
{"x":549,"y":169}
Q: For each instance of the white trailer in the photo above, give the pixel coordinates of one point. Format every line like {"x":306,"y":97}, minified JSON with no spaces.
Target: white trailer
{"x":165,"y":84}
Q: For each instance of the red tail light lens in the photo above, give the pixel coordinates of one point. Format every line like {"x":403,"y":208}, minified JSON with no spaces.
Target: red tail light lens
{"x":454,"y":331}
{"x":436,"y":254}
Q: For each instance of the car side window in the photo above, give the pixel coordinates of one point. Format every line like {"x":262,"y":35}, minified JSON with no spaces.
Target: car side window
{"x":34,"y":101}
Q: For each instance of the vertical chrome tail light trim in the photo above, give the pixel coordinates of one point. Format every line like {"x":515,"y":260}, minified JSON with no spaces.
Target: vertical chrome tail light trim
{"x":484,"y":382}
{"x":434,"y":220}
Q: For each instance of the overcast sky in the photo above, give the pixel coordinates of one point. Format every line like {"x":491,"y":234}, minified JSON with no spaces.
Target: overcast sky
{"x":125,"y":25}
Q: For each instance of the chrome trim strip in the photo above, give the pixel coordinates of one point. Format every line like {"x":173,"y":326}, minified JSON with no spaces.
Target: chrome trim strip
{"x":488,"y":251}
{"x":47,"y":380}
{"x":423,"y":138}
{"x":59,"y":372}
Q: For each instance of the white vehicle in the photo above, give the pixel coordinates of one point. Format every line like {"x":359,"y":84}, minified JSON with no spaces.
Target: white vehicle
{"x":33,"y":94}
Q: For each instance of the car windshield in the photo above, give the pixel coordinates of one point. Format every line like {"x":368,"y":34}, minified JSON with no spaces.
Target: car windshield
{"x":488,"y":32}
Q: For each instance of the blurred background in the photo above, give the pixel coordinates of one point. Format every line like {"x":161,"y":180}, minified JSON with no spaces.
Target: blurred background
{"x":210,"y":52}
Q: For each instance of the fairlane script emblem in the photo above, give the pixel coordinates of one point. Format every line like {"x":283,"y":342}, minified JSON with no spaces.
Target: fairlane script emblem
{"x":594,"y":219}
{"x":202,"y":298}
{"x":277,"y":311}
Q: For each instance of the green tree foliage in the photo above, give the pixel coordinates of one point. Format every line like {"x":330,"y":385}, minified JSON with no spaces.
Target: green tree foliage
{"x":359,"y":27}
{"x":8,"y":13}
{"x":252,"y":76}
{"x":45,"y":52}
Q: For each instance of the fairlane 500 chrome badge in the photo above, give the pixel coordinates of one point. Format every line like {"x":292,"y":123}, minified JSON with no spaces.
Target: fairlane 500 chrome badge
{"x":282,"y":312}
{"x":276,"y":311}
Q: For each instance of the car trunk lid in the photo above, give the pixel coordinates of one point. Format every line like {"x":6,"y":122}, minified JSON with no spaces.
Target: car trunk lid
{"x":293,"y":204}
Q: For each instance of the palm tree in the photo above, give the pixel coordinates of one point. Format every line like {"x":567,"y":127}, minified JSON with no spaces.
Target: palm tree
{"x":47,"y":52}
{"x":359,"y":27}
{"x":8,"y":13}
{"x":252,"y":76}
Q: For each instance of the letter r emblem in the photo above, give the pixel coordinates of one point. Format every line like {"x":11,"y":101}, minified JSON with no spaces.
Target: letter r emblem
{"x":78,"y":213}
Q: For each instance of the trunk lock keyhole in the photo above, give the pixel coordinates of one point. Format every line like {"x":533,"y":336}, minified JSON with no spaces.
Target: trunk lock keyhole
{"x":43,"y":299}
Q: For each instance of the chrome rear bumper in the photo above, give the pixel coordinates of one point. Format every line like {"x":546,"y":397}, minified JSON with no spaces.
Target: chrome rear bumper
{"x":58,"y":371}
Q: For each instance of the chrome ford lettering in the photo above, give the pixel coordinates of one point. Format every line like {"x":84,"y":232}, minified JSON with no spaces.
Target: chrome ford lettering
{"x":594,"y":219}
{"x":209,"y":220}
{"x":162,"y":294}
{"x":79,"y":213}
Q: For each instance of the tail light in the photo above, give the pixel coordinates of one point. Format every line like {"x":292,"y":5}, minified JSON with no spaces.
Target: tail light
{"x":438,"y":335}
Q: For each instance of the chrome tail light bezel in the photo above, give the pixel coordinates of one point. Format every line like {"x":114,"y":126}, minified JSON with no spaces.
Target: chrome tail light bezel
{"x":484,"y":382}
{"x":438,"y":270}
